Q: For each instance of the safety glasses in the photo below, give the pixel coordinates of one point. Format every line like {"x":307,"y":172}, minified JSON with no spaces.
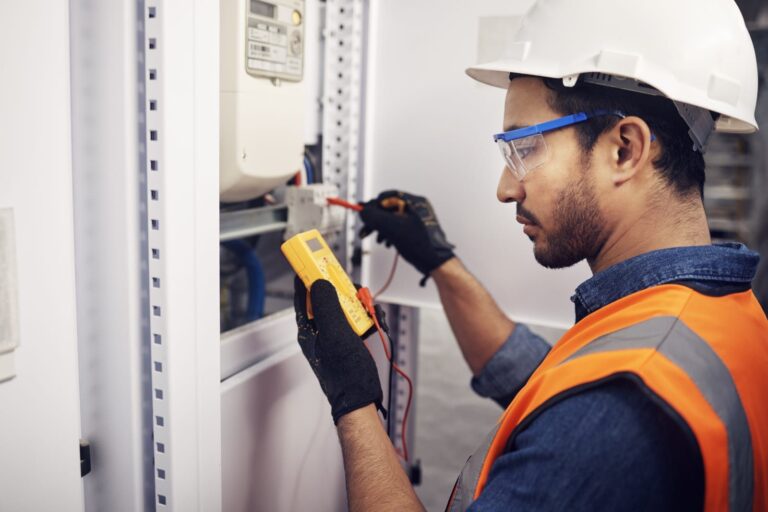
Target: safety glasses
{"x":525,"y":149}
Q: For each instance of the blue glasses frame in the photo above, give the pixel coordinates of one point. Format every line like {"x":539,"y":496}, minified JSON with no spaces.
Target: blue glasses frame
{"x":555,"y":124}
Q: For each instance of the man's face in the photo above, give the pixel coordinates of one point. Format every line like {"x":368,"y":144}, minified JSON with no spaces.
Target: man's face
{"x":556,"y":202}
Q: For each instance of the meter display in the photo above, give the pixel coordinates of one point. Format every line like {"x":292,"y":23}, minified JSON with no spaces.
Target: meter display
{"x":259,"y":8}
{"x":274,"y":39}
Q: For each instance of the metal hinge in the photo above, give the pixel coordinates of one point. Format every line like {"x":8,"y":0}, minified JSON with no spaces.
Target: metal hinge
{"x":85,"y":457}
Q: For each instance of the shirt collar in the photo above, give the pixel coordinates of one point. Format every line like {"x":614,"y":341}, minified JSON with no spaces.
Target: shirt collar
{"x":728,"y":263}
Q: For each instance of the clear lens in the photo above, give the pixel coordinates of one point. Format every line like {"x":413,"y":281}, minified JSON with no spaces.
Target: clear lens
{"x":510,"y":158}
{"x":524,"y":155}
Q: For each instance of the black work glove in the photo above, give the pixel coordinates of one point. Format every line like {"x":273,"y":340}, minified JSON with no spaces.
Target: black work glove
{"x":409,"y":223}
{"x":342,"y":364}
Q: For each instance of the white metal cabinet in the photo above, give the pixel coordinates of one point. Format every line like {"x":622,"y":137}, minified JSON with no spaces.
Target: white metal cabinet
{"x":39,"y":408}
{"x":280,"y":450}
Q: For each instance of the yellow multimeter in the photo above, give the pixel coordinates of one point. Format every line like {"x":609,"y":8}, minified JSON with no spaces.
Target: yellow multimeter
{"x":312,"y":259}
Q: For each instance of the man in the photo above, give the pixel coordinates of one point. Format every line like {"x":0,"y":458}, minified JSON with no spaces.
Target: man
{"x":655,"y":399}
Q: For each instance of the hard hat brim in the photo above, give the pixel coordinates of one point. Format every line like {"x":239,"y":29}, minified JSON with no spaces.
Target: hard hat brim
{"x":497,"y":73}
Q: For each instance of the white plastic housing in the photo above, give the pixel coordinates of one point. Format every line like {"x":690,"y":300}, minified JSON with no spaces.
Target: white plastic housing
{"x":308,"y":208}
{"x":261,"y":120}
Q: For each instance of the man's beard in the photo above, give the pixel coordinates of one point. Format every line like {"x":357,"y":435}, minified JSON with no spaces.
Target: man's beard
{"x":577,"y":222}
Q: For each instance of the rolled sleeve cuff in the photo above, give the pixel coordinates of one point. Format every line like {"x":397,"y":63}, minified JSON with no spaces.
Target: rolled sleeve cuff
{"x":511,"y":366}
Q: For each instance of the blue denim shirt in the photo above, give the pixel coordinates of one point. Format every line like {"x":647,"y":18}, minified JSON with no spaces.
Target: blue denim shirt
{"x":610,"y":447}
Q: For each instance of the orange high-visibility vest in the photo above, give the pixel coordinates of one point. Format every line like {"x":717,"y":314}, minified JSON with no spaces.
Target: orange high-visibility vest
{"x":706,"y":357}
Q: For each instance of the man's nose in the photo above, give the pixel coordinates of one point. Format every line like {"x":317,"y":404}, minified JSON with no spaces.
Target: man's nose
{"x":510,"y":189}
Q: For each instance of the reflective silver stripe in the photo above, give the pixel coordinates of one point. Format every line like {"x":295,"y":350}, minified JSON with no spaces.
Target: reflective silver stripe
{"x":678,"y":343}
{"x":470,"y":474}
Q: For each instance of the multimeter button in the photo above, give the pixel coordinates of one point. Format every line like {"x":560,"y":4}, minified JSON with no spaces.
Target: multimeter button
{"x":296,"y":18}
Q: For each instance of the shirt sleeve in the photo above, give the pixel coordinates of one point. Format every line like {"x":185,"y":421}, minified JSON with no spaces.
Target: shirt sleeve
{"x":611,"y":447}
{"x":510,"y":367}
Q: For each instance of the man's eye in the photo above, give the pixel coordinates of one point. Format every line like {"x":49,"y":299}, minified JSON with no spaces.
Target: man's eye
{"x":526,"y":151}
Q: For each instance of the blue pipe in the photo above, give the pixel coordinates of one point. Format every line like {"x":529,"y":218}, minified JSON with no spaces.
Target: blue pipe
{"x":257,"y":284}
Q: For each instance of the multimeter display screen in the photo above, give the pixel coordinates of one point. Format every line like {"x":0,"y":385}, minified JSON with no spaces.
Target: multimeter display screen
{"x":262,"y":9}
{"x":314,"y":244}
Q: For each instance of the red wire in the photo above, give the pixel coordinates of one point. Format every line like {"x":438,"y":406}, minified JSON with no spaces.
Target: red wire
{"x":410,"y":391}
{"x":389,"y":279}
{"x":346,"y":204}
{"x":364,"y":294}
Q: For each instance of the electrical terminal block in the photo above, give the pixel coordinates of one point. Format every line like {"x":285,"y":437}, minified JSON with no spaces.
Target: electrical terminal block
{"x":308,"y":209}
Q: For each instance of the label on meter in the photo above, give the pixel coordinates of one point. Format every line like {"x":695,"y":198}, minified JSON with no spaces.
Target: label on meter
{"x":312,"y":259}
{"x":274,"y":39}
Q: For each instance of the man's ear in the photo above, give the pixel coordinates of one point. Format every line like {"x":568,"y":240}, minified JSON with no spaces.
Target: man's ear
{"x":630,"y":143}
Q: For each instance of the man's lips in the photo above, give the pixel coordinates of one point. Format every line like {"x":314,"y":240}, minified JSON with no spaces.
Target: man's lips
{"x":524,"y":221}
{"x":529,"y":227}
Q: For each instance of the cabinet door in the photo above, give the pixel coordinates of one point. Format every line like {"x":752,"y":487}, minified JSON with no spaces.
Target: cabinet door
{"x":39,"y":406}
{"x":279,"y":447}
{"x":428,"y":131}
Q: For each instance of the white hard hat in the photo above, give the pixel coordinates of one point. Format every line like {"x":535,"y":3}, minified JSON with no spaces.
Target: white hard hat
{"x":696,"y":52}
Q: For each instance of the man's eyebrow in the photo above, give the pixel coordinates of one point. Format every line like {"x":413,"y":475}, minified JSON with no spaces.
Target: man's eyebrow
{"x":511,"y":127}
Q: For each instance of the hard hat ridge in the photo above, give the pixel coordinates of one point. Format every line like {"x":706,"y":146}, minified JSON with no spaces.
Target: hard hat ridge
{"x":697,"y":53}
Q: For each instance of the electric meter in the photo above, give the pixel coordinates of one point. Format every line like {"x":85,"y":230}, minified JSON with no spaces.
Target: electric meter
{"x":275,"y":39}
{"x":262,"y":105}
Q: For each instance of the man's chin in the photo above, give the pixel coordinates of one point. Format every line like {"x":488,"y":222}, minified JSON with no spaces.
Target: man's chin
{"x":553,"y":259}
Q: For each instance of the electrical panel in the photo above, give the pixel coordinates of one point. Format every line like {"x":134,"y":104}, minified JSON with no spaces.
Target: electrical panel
{"x":262,"y":98}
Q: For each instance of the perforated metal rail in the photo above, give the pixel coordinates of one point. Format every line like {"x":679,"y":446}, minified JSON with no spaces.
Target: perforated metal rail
{"x":342,"y":103}
{"x":152,"y":165}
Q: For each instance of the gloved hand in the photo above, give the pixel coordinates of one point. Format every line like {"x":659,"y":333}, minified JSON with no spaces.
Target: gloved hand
{"x":342,"y":364}
{"x":409,"y":223}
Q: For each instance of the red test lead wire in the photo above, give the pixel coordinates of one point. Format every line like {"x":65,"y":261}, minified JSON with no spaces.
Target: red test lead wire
{"x":346,"y":204}
{"x":364,"y":294}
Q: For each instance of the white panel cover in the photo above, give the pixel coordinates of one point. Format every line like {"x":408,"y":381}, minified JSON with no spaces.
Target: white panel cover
{"x":429,"y":129}
{"x":39,"y":407}
{"x":280,"y":451}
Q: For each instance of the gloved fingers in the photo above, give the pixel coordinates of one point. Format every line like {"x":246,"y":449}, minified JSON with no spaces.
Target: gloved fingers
{"x":307,"y":334}
{"x":389,"y":193}
{"x":299,"y":297}
{"x":373,"y":215}
{"x":300,"y":307}
{"x":329,"y":317}
{"x":376,"y":218}
{"x":364,"y":232}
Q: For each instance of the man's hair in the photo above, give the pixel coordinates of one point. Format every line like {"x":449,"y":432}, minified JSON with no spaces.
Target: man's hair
{"x":679,"y":165}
